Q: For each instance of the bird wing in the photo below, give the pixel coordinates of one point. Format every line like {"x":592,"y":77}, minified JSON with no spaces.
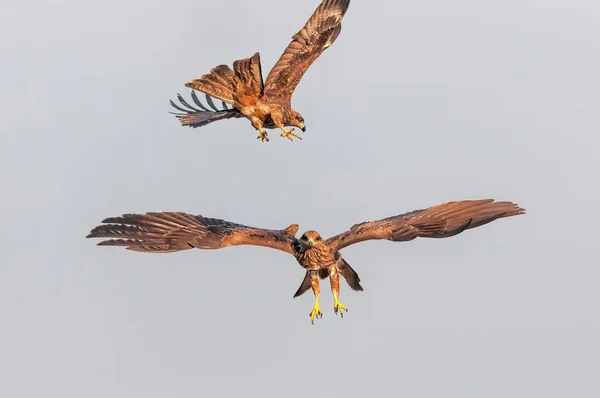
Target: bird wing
{"x":320,"y":31}
{"x":224,"y":83}
{"x":249,"y":73}
{"x":219,"y":83}
{"x":440,"y":221}
{"x":169,"y":232}
{"x":200,"y":115}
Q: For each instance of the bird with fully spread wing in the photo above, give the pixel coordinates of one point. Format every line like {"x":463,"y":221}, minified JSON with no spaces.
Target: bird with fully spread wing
{"x":170,"y":232}
{"x":267,"y":104}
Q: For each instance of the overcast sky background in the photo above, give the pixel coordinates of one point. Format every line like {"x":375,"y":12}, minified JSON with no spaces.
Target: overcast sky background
{"x":417,"y":103}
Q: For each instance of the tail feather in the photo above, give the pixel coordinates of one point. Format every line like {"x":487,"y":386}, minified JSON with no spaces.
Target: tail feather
{"x":304,"y":286}
{"x":201,"y":116}
{"x":350,"y":275}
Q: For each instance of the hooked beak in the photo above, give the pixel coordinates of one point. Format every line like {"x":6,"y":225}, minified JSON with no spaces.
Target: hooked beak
{"x":303,"y":128}
{"x":307,"y":242}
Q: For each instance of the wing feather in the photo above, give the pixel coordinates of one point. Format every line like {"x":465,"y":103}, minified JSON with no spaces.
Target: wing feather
{"x":440,"y":221}
{"x":219,"y":83}
{"x":320,"y":31}
{"x":201,"y":116}
{"x":174,"y":231}
{"x":248,"y":71}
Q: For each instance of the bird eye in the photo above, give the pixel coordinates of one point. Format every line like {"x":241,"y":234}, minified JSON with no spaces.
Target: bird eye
{"x":301,"y":120}
{"x":318,"y":238}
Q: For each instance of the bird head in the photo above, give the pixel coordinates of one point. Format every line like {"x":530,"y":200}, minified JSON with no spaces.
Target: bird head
{"x":295,"y":119}
{"x":310,"y":239}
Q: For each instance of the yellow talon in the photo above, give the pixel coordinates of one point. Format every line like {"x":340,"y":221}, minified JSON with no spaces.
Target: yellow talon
{"x":315,"y":313}
{"x":263,"y":136}
{"x":289,"y":134}
{"x":337,"y":307}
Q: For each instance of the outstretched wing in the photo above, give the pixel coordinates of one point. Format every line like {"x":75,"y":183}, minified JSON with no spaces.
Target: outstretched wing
{"x":169,"y":232}
{"x":439,"y":221}
{"x":320,"y":32}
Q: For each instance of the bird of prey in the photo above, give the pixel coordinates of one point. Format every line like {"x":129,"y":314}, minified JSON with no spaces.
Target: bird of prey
{"x":170,"y":232}
{"x":267,"y":104}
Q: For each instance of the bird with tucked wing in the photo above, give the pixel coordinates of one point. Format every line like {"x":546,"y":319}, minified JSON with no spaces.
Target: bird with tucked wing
{"x":170,"y":232}
{"x":267,"y":104}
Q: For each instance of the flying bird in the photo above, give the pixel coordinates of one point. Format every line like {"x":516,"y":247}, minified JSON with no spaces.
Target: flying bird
{"x":167,"y":232}
{"x":267,"y":104}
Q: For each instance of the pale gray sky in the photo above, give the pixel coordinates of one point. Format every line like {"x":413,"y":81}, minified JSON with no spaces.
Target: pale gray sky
{"x":417,"y":103}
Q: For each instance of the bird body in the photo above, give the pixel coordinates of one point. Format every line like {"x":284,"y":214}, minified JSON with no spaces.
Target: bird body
{"x":169,"y":232}
{"x":267,"y":104}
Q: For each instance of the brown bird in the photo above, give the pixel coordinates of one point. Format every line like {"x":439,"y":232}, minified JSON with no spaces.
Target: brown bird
{"x":268,"y":104}
{"x":170,"y":232}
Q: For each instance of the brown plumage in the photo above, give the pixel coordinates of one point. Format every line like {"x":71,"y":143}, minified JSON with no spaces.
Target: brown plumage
{"x":267,"y":105}
{"x":169,"y":232}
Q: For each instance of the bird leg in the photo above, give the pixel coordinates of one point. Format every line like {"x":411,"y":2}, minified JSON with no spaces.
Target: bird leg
{"x":278,"y":121}
{"x":257,"y":123}
{"x":316,"y":312}
{"x":288,"y":133}
{"x":334,"y":277}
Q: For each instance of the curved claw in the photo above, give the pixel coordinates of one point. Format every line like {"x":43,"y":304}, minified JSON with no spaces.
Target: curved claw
{"x":315,"y":313}
{"x":337,"y":307}
{"x":289,"y":134}
{"x":263,"y":136}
